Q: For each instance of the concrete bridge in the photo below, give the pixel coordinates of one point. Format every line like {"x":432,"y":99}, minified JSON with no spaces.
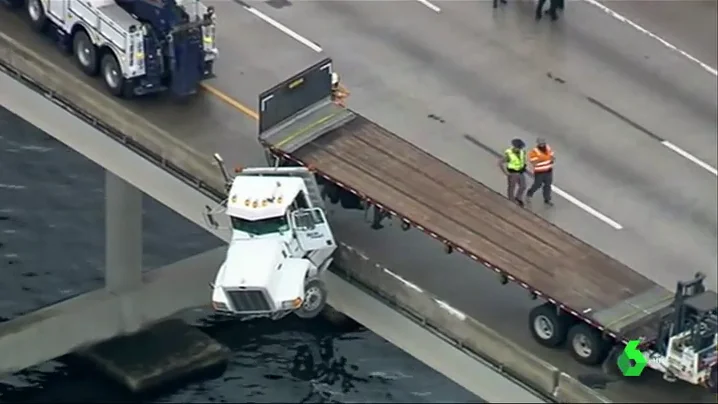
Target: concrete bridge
{"x":130,"y":300}
{"x":400,"y":94}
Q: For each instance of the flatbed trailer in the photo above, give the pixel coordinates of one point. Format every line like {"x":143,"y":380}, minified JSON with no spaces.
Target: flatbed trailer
{"x":602,"y":295}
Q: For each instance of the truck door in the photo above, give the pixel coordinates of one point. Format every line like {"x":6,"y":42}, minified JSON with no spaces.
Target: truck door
{"x":312,"y":229}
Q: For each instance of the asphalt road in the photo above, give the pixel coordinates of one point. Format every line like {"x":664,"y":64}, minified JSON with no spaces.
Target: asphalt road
{"x":691,"y":25}
{"x":603,"y":94}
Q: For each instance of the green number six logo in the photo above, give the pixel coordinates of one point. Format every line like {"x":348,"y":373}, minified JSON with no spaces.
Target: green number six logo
{"x":632,"y":362}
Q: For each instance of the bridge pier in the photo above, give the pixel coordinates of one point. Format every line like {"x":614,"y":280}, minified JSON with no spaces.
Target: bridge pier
{"x":123,"y":234}
{"x":119,"y":328}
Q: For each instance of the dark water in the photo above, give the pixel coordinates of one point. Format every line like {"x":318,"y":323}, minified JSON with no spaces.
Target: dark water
{"x":51,"y":248}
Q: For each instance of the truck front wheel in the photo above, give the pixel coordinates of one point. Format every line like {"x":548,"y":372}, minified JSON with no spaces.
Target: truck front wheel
{"x":36,"y":12}
{"x":112,"y":74}
{"x":587,"y":344}
{"x":315,"y":298}
{"x":548,"y":326}
{"x":85,"y":53}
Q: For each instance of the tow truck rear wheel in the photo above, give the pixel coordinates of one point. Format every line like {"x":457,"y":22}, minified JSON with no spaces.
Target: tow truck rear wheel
{"x":112,"y":74}
{"x":36,"y":12}
{"x":315,"y":298}
{"x":548,"y":326}
{"x":587,"y":345}
{"x":85,"y":53}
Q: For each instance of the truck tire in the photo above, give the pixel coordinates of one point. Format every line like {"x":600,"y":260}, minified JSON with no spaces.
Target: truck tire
{"x":610,"y":365}
{"x":36,"y":13}
{"x":85,"y":53}
{"x":112,"y":74}
{"x":713,"y":380}
{"x":548,"y":326}
{"x":315,"y":298}
{"x":587,"y":345}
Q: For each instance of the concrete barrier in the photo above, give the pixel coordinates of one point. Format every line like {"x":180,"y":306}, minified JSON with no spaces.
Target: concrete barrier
{"x":570,"y":390}
{"x":105,"y":112}
{"x":466,"y":332}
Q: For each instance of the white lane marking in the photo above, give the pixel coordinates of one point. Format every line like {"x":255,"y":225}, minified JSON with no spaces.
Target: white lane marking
{"x":690,"y":157}
{"x":428,"y":4}
{"x":311,"y":45}
{"x":591,"y":211}
{"x":619,"y":17}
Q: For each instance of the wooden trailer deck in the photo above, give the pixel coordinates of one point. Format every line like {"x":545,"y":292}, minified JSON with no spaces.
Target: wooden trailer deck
{"x":298,"y":121}
{"x":374,"y":161}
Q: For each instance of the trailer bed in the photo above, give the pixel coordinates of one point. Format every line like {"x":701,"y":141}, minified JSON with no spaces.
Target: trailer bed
{"x":363,"y":157}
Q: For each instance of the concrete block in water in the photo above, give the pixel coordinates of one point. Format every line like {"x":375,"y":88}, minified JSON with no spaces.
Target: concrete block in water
{"x":164,"y":353}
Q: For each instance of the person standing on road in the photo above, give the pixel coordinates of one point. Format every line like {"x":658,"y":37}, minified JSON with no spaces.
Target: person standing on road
{"x":496,"y":3}
{"x":513,"y":165}
{"x":552,"y":11}
{"x":542,"y":160}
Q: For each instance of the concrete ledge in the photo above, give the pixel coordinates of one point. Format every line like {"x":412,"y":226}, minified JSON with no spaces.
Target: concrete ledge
{"x":101,"y":315}
{"x":570,"y":390}
{"x":105,"y":111}
{"x":455,"y":325}
{"x":167,"y":352}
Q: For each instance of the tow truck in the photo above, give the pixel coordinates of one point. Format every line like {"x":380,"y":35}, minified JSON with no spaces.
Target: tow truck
{"x":138,"y":47}
{"x":592,"y":304}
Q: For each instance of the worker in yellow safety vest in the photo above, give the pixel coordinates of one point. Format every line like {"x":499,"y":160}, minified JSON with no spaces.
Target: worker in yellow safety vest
{"x":513,"y":165}
{"x":542,"y":160}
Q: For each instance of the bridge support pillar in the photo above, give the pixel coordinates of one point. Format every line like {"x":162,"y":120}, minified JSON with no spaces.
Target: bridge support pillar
{"x":123,"y":234}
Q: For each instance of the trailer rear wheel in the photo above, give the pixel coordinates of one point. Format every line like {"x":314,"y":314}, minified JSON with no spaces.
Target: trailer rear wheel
{"x":85,"y":53}
{"x":587,"y":344}
{"x":315,"y":298}
{"x":36,"y":12}
{"x":548,"y":326}
{"x":112,"y":74}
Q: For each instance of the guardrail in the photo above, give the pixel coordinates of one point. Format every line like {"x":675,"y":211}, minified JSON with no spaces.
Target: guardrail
{"x":111,"y":117}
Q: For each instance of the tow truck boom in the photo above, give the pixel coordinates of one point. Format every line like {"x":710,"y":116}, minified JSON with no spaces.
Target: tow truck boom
{"x":138,"y":47}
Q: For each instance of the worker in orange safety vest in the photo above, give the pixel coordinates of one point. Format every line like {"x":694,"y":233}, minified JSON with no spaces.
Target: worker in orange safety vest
{"x":542,"y":160}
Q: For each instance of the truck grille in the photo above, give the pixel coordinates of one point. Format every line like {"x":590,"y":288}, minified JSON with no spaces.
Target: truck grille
{"x":248,"y":300}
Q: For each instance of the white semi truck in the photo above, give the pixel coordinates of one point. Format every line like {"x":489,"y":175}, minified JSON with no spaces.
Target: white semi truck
{"x":281,"y":244}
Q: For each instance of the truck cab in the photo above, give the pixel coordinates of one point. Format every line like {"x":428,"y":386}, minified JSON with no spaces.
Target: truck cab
{"x":281,"y":243}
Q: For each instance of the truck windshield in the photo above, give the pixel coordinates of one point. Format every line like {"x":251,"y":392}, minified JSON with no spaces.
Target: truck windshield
{"x":260,"y":227}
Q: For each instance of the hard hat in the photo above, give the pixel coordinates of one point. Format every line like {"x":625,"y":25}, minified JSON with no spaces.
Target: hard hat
{"x":335,"y":78}
{"x":540,"y":141}
{"x":518,"y":143}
